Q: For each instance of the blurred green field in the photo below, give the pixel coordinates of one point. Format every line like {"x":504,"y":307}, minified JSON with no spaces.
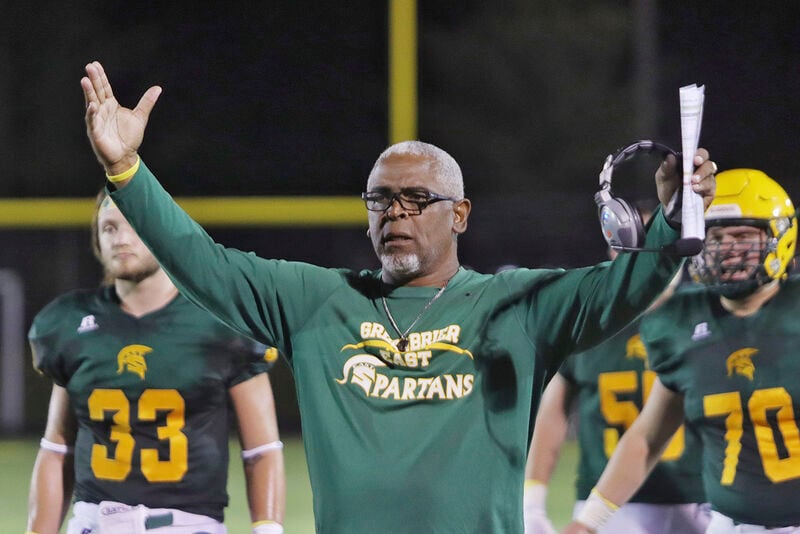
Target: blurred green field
{"x":17,"y":456}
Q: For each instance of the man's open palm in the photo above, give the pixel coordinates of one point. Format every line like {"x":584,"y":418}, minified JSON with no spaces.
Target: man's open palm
{"x":114,"y":131}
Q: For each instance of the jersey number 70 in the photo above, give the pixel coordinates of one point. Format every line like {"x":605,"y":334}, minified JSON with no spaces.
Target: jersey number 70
{"x":762,"y":403}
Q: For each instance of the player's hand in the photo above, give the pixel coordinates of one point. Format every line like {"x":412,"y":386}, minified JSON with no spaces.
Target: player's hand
{"x":669,"y":178}
{"x":534,"y":510}
{"x":115,"y":132}
{"x":537,"y":522}
{"x":576,"y":527}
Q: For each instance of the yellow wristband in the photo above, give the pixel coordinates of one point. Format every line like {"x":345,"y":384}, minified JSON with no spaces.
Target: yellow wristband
{"x":534,"y":495}
{"x":265,"y":522}
{"x":596,"y":511}
{"x":531,"y":482}
{"x":127,"y":174}
{"x":267,"y":527}
{"x":30,"y":532}
{"x":607,"y":502}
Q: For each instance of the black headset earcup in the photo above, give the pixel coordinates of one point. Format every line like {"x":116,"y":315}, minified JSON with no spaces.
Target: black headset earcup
{"x":621,"y":223}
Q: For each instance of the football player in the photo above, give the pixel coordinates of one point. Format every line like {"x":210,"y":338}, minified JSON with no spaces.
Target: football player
{"x":608,"y":384}
{"x":138,"y":423}
{"x":726,"y":355}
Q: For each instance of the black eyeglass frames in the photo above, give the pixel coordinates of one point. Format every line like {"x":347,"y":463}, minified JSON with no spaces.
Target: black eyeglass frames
{"x":411,"y":200}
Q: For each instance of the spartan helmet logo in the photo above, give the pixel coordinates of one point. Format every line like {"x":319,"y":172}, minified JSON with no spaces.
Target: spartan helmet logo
{"x":634,"y":348}
{"x":741,"y":363}
{"x":131,"y":358}
{"x":271,"y":355}
{"x":363,"y":368}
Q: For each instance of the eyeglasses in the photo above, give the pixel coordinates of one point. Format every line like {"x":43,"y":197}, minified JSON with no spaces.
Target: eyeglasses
{"x":412,"y":200}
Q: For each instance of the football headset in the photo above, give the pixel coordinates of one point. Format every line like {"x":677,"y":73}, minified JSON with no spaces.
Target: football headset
{"x":621,"y":223}
{"x":748,"y":197}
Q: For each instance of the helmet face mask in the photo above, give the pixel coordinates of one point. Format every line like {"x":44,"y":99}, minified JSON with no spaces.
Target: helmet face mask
{"x":733,"y":259}
{"x":752,"y":233}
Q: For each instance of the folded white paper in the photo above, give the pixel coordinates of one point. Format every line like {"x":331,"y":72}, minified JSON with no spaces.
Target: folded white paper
{"x":692,"y":221}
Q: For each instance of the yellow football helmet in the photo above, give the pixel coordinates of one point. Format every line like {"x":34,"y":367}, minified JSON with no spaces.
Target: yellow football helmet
{"x":748,"y":197}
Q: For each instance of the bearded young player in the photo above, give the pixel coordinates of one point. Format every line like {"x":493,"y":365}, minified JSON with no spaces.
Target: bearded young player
{"x":138,"y":422}
{"x":608,"y":385}
{"x":415,"y":381}
{"x":726,"y":355}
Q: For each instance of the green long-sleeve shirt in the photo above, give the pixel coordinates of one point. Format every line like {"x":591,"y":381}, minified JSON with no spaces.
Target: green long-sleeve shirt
{"x":432,"y":439}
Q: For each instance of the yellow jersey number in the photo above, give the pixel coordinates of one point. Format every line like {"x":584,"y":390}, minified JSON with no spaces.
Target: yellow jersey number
{"x":118,"y":467}
{"x":622,"y":413}
{"x":762,"y":402}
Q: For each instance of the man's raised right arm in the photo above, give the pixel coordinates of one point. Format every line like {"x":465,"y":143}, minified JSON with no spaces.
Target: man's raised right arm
{"x":261,"y":298}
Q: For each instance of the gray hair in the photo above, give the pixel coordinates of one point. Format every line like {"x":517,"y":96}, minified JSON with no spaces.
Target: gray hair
{"x":443,"y":165}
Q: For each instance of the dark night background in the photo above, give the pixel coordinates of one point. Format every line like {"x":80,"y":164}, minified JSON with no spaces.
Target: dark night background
{"x":290,"y":98}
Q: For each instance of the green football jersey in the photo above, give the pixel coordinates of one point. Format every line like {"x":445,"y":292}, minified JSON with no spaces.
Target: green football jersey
{"x":738,"y":378}
{"x":150,"y":397}
{"x":611,"y":383}
{"x":431,"y":437}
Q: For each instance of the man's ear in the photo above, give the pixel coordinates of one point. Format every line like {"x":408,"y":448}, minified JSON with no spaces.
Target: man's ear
{"x":461,"y":210}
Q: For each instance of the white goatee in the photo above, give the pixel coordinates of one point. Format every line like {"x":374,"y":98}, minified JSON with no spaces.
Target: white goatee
{"x":400,"y":264}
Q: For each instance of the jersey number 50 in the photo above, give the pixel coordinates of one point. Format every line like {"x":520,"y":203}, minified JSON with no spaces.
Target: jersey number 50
{"x":118,"y":466}
{"x":613,"y":385}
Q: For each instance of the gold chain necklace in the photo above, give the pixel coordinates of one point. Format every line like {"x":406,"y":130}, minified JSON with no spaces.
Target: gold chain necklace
{"x":402,"y":343}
